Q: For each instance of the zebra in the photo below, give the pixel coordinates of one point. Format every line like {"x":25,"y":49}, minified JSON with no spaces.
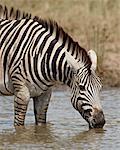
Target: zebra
{"x":35,"y":55}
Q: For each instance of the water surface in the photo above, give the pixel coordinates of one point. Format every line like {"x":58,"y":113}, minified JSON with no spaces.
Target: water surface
{"x":65,"y":128}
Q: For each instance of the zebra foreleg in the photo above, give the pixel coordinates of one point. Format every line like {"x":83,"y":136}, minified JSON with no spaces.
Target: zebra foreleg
{"x":20,"y":105}
{"x":41,"y":106}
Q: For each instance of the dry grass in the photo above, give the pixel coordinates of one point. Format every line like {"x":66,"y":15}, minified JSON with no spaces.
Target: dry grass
{"x":95,"y":24}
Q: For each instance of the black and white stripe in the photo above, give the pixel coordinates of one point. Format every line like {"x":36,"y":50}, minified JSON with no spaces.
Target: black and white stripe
{"x":33,"y":57}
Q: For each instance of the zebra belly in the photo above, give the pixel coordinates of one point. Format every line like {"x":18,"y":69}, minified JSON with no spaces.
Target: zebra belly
{"x":35,"y":91}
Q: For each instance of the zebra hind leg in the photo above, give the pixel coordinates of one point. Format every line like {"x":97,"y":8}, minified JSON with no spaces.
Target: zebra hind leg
{"x":41,"y":106}
{"x":22,"y":97}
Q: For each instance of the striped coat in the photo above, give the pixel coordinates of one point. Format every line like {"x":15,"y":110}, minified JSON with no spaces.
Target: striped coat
{"x":35,"y":55}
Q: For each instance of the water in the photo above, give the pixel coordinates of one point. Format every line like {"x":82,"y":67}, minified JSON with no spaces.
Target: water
{"x":65,"y":128}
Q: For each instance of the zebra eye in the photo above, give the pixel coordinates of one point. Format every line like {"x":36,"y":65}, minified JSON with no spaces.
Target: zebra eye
{"x":82,"y":87}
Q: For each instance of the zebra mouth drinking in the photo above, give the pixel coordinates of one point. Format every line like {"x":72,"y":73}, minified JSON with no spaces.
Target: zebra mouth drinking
{"x":94,"y":117}
{"x":96,"y":121}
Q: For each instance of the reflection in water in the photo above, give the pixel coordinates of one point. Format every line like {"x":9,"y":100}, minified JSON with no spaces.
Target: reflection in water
{"x":32,"y":135}
{"x":65,"y":128}
{"x":90,"y":139}
{"x":43,"y":137}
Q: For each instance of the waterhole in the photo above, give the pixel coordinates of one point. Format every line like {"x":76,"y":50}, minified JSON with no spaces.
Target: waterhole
{"x":65,"y":128}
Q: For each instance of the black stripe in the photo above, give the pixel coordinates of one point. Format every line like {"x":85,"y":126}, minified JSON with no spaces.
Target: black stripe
{"x":4,"y":23}
{"x":8,"y":32}
{"x":86,"y":104}
{"x":69,"y":72}
{"x":54,"y":71}
{"x":64,"y":72}
{"x":2,"y":93}
{"x":81,"y":98}
{"x":32,"y":37}
{"x":36,"y":71}
{"x":20,"y":74}
{"x":73,"y":49}
{"x":43,"y":66}
{"x":69,"y":43}
{"x":14,"y":77}
{"x":39,"y":37}
{"x":3,"y":31}
{"x":49,"y":51}
{"x":30,"y":69}
{"x":24,"y":68}
{"x":18,"y":103}
{"x":45,"y":40}
{"x":9,"y":47}
{"x":18,"y":46}
{"x":60,"y":67}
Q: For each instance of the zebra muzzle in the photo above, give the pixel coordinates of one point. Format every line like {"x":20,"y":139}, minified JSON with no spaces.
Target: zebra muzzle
{"x":98,"y":120}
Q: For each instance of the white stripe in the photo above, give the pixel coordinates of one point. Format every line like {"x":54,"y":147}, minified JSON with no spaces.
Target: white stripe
{"x":10,"y":25}
{"x":50,"y":39}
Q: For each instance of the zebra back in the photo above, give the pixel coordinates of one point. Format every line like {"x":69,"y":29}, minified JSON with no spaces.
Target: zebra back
{"x":77,"y":50}
{"x":12,"y":13}
{"x":16,"y":14}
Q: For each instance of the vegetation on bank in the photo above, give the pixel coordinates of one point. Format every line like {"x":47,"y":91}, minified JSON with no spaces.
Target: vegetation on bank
{"x":95,"y":24}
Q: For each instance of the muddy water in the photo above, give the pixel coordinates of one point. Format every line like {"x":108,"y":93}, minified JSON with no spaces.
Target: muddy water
{"x":65,"y":128}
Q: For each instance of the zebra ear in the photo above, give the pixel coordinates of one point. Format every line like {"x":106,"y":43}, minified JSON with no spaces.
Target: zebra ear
{"x":93,"y":57}
{"x":72,"y":61}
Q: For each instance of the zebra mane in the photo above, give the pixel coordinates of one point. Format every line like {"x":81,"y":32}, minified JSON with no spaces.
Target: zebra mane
{"x":80,"y":52}
{"x":12,"y":13}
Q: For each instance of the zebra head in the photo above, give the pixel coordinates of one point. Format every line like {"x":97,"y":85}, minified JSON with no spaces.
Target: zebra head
{"x":86,"y":88}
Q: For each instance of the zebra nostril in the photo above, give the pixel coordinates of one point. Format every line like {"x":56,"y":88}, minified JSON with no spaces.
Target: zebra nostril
{"x":98,"y":120}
